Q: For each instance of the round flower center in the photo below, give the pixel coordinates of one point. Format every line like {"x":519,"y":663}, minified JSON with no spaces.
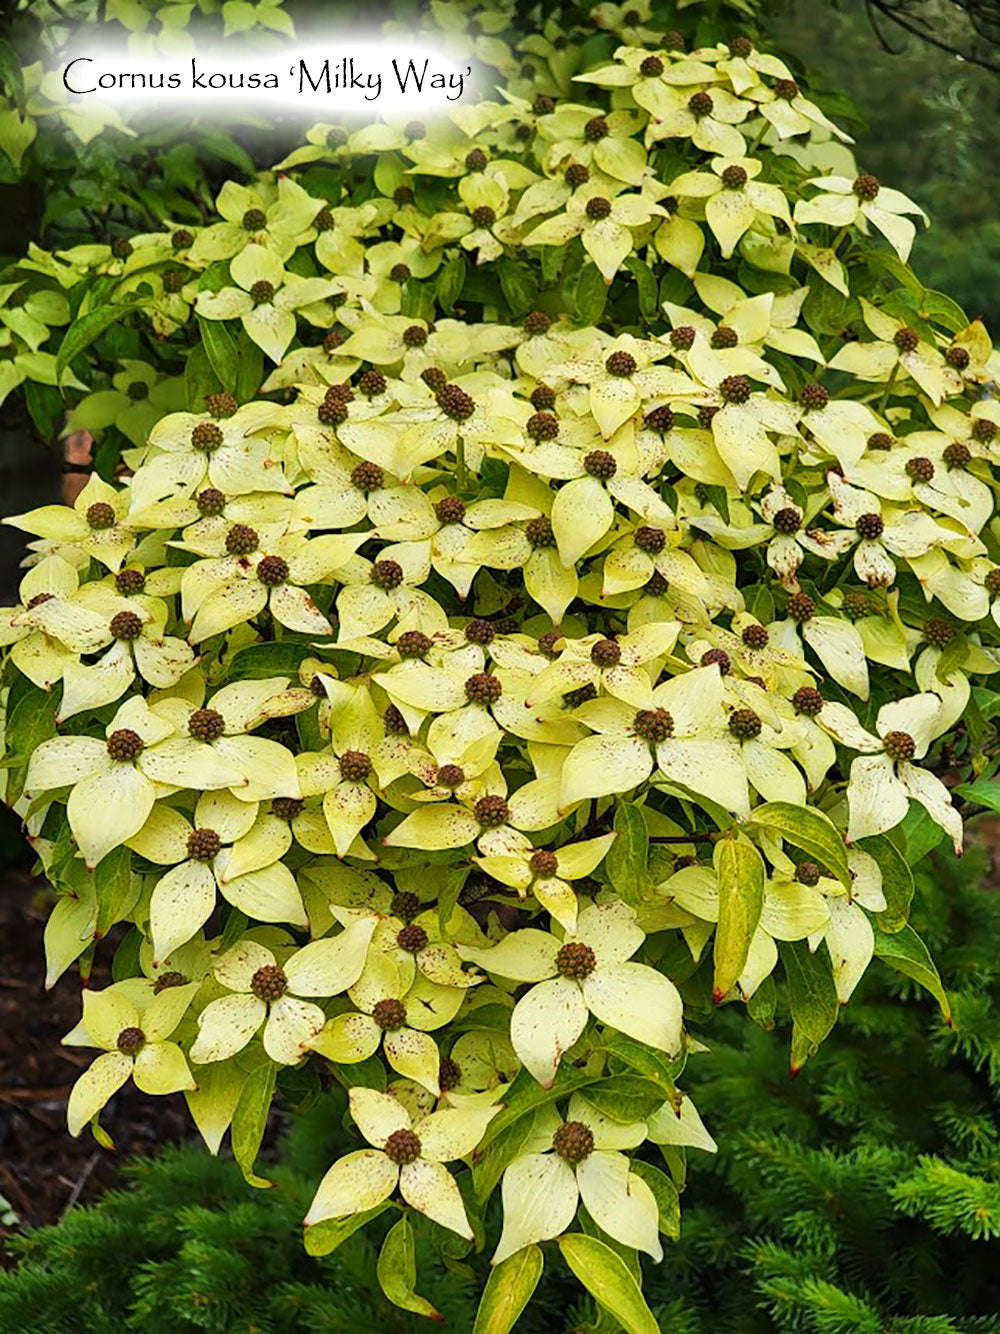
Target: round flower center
{"x":221,"y":405}
{"x":984,"y":430}
{"x":866,"y":187}
{"x":286,"y":808}
{"x":808,"y":701}
{"x":449,"y":1074}
{"x":131,"y":1041}
{"x":575,"y":960}
{"x":126,"y":625}
{"x":606,"y":653}
{"x":403,"y":1147}
{"x":483,"y":688}
{"x":621,"y":364}
{"x":130,"y":581}
{"x":735,"y":389}
{"x":660,"y":420}
{"x":786,"y":89}
{"x":682,"y":338}
{"x":899,"y":745}
{"x":536,"y":322}
{"x":600,"y":464}
{"x":651,"y":67}
{"x":957,"y":455}
{"x":939,"y":633}
{"x":181,"y":239}
{"x":870,"y":526}
{"x":413,"y":644}
{"x":272,"y":571}
{"x":492,"y":812}
{"x":138,"y":390}
{"x":957,"y":357}
{"x":254,"y":220}
{"x":801,"y":607}
{"x":744,"y":724}
{"x":544,"y":863}
{"x":100,"y":515}
{"x":539,"y":532}
{"x":389,"y":1014}
{"x":455,"y":403}
{"x":653,"y":725}
{"x":717,"y":657}
{"x":206,"y":725}
{"x":906,"y":339}
{"x":652,"y":540}
{"x":125,"y":745}
{"x":992,"y":581}
{"x":449,"y":510}
{"x":814,"y":397}
{"x":724,"y":337}
{"x":210,"y":502}
{"x":367,"y":476}
{"x":355,"y":766}
{"x":595,"y":129}
{"x":920,"y":470}
{"x":880,"y":440}
{"x":573,"y":1142}
{"x":241,"y":540}
{"x":395,"y":723}
{"x":700,"y":104}
{"x":542,"y":426}
{"x":576,"y":174}
{"x":479,"y":631}
{"x":206,"y":437}
{"x":412,"y":938}
{"x":269,"y":982}
{"x":598,"y":208}
{"x":261,"y":292}
{"x":734,"y":177}
{"x":450,"y":776}
{"x":475,"y":160}
{"x":484,"y":216}
{"x":755,"y":636}
{"x":203,"y":845}
{"x":543,"y":397}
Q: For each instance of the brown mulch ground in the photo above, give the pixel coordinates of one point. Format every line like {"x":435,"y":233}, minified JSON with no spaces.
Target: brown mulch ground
{"x":42,"y":1170}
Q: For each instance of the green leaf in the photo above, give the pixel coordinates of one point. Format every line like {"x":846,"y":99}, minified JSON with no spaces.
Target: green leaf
{"x":199,"y":379}
{"x":907,"y":953}
{"x":920,"y":833}
{"x":397,"y":1271}
{"x":259,"y":661}
{"x":82,"y":332}
{"x":609,"y":1281}
{"x":250,"y":1120}
{"x":448,"y":894}
{"x":450,"y":281}
{"x":984,"y":792}
{"x":646,"y":1061}
{"x":897,"y":880}
{"x":324,"y":1237}
{"x":740,"y":872}
{"x":508,"y":1290}
{"x":646,"y":283}
{"x":249,"y":368}
{"x":11,"y":76}
{"x":628,"y":855}
{"x":668,"y":1202}
{"x":591,"y":294}
{"x":31,"y":721}
{"x":812,"y":998}
{"x":114,"y":888}
{"x":625,"y":1098}
{"x":220,"y":346}
{"x":519,"y":285}
{"x":808,"y":829}
{"x":493,"y":1161}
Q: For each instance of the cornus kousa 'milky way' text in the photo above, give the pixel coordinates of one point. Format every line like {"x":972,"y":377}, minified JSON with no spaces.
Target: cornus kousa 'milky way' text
{"x":542,"y":564}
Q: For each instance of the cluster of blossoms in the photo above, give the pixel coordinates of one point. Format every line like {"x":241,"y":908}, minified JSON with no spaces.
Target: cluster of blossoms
{"x":550,"y":637}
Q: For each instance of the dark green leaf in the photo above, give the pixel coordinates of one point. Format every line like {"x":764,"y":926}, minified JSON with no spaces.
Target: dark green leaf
{"x":812,"y":997}
{"x":627,"y":857}
{"x":250,"y":1121}
{"x":324,"y":1237}
{"x":397,"y":1271}
{"x":508,"y":1290}
{"x":897,"y":880}
{"x":907,"y":953}
{"x":220,"y":346}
